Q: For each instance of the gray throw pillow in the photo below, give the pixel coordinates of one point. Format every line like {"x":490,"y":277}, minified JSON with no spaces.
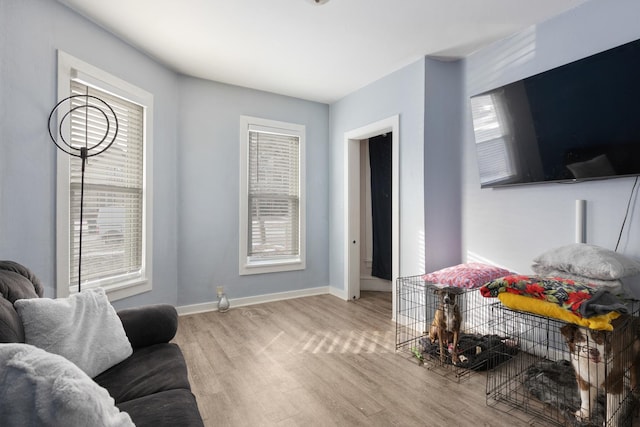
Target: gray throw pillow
{"x":83,"y":328}
{"x":40,"y":388}
{"x":588,"y":261}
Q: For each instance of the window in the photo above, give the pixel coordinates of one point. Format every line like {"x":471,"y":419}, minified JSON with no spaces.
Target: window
{"x":272,"y":231}
{"x":495,"y":153}
{"x":116,"y":244}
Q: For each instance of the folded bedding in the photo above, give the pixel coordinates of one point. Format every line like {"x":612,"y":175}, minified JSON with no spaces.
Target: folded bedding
{"x":557,"y":297}
{"x":548,"y":309}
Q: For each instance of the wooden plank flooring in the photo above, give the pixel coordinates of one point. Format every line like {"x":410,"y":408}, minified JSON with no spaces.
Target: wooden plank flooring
{"x":321,"y":361}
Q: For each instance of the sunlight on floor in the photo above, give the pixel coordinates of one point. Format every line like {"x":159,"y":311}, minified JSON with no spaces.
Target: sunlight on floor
{"x":348,"y":341}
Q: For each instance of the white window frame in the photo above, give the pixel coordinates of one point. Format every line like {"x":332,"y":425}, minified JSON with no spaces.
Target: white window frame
{"x":248,"y":266}
{"x":71,"y":68}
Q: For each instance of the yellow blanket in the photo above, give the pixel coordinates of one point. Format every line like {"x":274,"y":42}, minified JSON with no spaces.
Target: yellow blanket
{"x":548,"y":309}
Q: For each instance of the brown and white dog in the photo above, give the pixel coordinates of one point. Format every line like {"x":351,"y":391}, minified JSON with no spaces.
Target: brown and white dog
{"x":600,"y":360}
{"x":446,"y":322}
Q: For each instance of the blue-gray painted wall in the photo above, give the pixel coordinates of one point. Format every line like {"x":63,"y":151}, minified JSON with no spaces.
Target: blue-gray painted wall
{"x":208,"y":190}
{"x":511,"y":226}
{"x":444,"y":214}
{"x":31,"y":32}
{"x":444,"y":105}
{"x":196,"y":160}
{"x":427,"y":97}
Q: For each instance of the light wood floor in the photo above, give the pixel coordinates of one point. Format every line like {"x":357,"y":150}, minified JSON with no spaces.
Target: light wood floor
{"x":321,"y":361}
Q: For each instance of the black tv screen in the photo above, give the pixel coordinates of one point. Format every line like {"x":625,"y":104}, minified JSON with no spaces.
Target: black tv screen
{"x":576,"y":122}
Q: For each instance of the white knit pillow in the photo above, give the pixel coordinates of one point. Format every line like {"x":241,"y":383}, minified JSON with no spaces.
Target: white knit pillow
{"x":83,"y":328}
{"x":588,"y":261}
{"x":41,"y":388}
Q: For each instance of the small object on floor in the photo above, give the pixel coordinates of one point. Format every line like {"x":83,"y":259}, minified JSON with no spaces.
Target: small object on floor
{"x":223,"y":301}
{"x":418,"y":355}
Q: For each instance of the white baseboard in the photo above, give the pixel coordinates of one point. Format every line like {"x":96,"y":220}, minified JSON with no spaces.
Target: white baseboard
{"x":259,"y":299}
{"x":340,"y":293}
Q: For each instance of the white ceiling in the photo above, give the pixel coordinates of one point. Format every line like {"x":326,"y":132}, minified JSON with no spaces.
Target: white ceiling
{"x":309,"y":51}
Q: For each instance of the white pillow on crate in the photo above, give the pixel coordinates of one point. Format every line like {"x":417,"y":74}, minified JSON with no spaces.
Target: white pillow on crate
{"x":586,"y":260}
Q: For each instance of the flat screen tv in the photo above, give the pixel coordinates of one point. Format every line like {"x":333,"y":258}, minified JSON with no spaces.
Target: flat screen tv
{"x":577,"y":122}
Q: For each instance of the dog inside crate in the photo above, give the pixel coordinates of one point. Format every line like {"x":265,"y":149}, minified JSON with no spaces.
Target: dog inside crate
{"x":605,"y":362}
{"x":586,"y":377}
{"x":458,"y":333}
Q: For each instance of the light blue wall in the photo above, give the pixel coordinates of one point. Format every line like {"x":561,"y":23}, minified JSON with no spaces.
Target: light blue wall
{"x":400,"y":93}
{"x":196,"y":125}
{"x":208,"y":159}
{"x":428,"y":98}
{"x":196,"y":157}
{"x":511,"y":226}
{"x":31,"y":32}
{"x":443,"y":134}
{"x":195,"y":160}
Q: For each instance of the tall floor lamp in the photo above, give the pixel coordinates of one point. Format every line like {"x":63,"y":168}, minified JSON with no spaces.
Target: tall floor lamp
{"x":82,"y":150}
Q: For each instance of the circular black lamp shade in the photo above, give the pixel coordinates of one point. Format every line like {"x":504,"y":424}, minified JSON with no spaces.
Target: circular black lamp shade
{"x":91,"y":106}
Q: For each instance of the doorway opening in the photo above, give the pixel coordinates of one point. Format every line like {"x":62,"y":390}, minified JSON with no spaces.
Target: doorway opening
{"x":375,"y":213}
{"x":353,"y":221}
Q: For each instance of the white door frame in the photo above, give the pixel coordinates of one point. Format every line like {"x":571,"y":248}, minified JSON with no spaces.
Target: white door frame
{"x":352,"y":141}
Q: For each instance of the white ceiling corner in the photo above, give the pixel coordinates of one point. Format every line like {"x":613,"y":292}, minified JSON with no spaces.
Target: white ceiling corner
{"x":300,"y":49}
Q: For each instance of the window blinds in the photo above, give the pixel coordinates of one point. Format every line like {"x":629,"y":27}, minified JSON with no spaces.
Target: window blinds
{"x":274,"y":195}
{"x":113,"y":191}
{"x":492,"y":139}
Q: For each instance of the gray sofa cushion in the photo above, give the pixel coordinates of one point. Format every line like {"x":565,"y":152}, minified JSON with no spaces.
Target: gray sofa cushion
{"x":149,"y":370}
{"x":12,"y":283}
{"x":171,"y":408}
{"x":11,"y":330}
{"x":16,"y":282}
{"x":136,"y":321}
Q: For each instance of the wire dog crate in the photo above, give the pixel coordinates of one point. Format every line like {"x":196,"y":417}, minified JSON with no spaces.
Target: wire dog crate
{"x":541,"y":380}
{"x":416,"y":305}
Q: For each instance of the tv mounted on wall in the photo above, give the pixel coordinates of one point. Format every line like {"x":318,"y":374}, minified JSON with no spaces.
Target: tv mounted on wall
{"x":577,"y":122}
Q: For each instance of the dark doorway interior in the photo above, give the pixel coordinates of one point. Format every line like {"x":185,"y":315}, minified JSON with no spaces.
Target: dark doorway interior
{"x":380,"y":161}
